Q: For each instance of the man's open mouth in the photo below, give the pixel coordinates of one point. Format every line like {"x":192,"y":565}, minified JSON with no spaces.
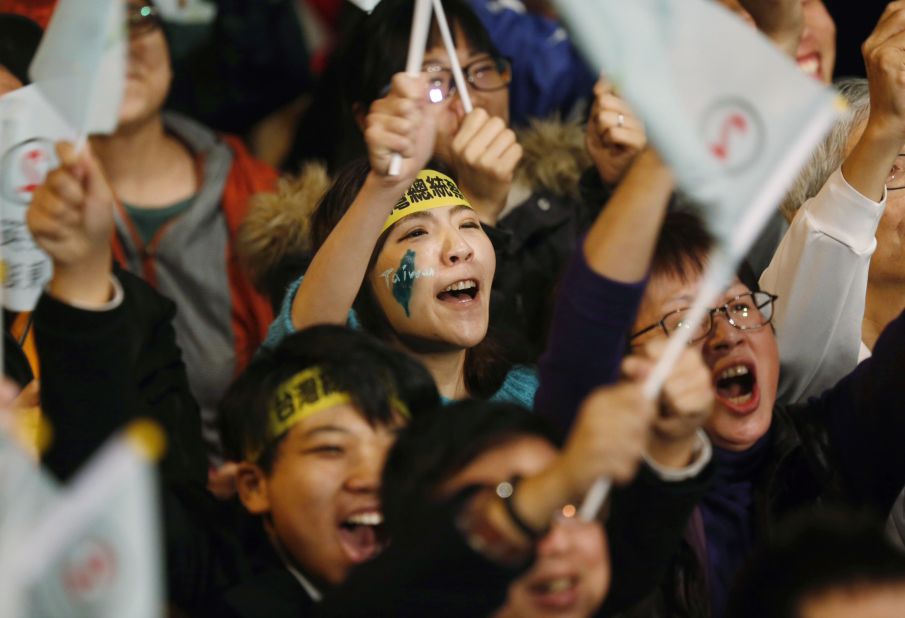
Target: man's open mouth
{"x":362,"y":535}
{"x":736,"y":387}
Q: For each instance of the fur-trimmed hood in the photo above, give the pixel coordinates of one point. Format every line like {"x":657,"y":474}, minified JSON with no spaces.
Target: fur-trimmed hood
{"x":275,"y":230}
{"x":554,"y":157}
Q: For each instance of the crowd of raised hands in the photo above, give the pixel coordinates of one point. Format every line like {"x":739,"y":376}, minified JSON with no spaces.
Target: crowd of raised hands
{"x":405,"y":413}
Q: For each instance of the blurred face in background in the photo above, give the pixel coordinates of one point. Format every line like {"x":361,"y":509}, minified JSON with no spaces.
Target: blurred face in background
{"x":149,"y":73}
{"x":571,"y":573}
{"x":480,"y":65}
{"x":816,"y":53}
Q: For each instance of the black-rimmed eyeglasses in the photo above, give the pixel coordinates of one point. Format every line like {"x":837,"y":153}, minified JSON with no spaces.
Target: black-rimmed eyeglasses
{"x":748,"y":311}
{"x":484,"y":74}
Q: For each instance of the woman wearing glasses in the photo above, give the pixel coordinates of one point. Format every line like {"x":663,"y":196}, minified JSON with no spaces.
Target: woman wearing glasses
{"x":638,"y":270}
{"x":524,"y":188}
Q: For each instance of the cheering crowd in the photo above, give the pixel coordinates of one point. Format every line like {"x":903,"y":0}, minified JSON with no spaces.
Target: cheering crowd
{"x":386,"y":391}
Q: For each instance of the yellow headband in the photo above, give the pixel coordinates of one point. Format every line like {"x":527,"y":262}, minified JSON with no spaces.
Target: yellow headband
{"x":305,"y":394}
{"x":430,"y":190}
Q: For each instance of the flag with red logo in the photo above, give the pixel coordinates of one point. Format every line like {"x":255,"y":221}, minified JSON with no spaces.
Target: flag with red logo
{"x":29,"y":128}
{"x":733,"y":117}
{"x":97,"y":551}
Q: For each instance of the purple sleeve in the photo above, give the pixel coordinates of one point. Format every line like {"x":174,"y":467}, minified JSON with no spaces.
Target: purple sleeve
{"x":865,"y":420}
{"x":591,"y":322}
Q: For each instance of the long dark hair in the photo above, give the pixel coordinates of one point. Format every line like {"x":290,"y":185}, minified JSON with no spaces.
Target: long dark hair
{"x":377,"y":45}
{"x":486,"y":364}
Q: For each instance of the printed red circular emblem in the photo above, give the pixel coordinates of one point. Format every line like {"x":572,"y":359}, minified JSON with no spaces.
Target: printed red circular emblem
{"x":24,"y":168}
{"x":88,"y":570}
{"x":734,"y":134}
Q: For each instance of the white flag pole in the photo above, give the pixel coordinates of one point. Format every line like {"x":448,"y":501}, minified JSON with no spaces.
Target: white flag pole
{"x":461,"y":84}
{"x":421,"y":20}
{"x":713,"y":282}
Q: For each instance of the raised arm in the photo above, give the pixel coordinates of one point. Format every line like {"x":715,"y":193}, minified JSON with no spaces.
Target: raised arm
{"x":461,"y":560}
{"x":105,"y":341}
{"x":601,"y":290}
{"x":820,"y":269}
{"x":401,"y":122}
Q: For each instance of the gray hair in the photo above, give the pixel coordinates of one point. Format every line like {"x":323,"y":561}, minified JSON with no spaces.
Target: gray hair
{"x":830,"y":154}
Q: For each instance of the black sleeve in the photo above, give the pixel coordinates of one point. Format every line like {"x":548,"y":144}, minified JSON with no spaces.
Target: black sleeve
{"x":99,"y":370}
{"x":645,"y":527}
{"x":857,"y":428}
{"x":431,"y":572}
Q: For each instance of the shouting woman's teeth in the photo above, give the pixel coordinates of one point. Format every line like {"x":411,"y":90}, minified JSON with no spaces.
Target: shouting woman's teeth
{"x":461,"y":285}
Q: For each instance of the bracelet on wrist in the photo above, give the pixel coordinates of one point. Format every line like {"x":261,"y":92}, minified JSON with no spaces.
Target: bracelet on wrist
{"x":506,"y":492}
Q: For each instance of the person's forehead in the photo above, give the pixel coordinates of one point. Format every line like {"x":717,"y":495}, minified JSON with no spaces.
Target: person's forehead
{"x":671,"y":291}
{"x":437,"y":53}
{"x":434,"y":215}
{"x":735,"y":288}
{"x":344,"y":419}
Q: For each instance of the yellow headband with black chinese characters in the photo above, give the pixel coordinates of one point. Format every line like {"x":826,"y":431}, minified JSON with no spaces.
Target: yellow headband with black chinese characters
{"x":429,"y":190}
{"x":303,"y":395}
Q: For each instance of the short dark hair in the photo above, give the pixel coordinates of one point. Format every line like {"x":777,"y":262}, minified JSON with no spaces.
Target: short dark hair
{"x":377,"y":45}
{"x":371,"y":372}
{"x":684,"y":246}
{"x":811,"y":554}
{"x":433,"y":448}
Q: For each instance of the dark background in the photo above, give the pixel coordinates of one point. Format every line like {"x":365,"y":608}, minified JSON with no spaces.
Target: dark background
{"x":855,"y":19}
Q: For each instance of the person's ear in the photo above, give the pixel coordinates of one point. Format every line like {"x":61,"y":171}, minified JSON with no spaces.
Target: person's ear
{"x":253,"y":490}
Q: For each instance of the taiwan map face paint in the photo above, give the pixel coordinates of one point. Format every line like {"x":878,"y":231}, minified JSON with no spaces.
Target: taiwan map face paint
{"x":402,"y":289}
{"x":434,"y":235}
{"x":402,"y":280}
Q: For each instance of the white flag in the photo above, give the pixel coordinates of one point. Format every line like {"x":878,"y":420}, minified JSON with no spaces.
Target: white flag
{"x":733,"y":117}
{"x":80,"y":65}
{"x":29,"y":128}
{"x":26,"y":494}
{"x":97,"y":553}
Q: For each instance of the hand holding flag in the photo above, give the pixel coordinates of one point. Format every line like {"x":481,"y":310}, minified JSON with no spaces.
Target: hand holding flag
{"x":421,"y":20}
{"x":732,"y":116}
